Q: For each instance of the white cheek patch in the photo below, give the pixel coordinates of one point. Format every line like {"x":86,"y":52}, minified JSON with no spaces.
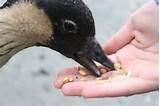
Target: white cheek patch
{"x":21,"y":26}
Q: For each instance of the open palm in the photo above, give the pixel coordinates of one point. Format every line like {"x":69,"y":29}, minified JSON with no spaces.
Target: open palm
{"x":135,"y":46}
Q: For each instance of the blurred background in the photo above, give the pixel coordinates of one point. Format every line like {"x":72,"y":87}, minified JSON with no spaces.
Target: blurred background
{"x":26,"y":80}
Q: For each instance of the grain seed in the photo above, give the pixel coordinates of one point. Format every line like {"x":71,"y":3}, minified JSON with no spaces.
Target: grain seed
{"x":67,"y":80}
{"x":117,"y":66}
{"x":99,"y":78}
{"x":103,"y":71}
{"x":83,"y":73}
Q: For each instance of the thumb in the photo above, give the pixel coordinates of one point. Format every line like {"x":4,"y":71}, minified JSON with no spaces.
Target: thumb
{"x":120,"y":39}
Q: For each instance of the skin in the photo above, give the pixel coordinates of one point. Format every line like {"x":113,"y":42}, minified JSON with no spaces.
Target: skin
{"x":135,"y":46}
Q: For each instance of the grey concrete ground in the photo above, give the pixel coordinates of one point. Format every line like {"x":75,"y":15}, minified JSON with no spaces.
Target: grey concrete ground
{"x":27,"y":79}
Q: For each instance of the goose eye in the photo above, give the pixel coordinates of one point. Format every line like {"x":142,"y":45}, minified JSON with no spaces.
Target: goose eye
{"x":70,"y":26}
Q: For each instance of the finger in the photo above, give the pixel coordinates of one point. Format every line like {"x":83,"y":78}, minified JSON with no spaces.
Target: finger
{"x":60,"y":81}
{"x":74,"y":89}
{"x":120,"y":39}
{"x":117,"y":88}
{"x":77,"y":88}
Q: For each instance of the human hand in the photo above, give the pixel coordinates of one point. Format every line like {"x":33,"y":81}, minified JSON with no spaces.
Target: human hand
{"x":135,"y":46}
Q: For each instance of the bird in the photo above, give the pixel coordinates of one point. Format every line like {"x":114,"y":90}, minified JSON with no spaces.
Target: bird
{"x":66,"y":26}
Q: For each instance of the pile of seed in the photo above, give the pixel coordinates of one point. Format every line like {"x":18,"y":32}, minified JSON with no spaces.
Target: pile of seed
{"x":83,"y":73}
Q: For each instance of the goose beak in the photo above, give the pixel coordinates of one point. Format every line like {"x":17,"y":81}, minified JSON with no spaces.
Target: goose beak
{"x":93,"y":52}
